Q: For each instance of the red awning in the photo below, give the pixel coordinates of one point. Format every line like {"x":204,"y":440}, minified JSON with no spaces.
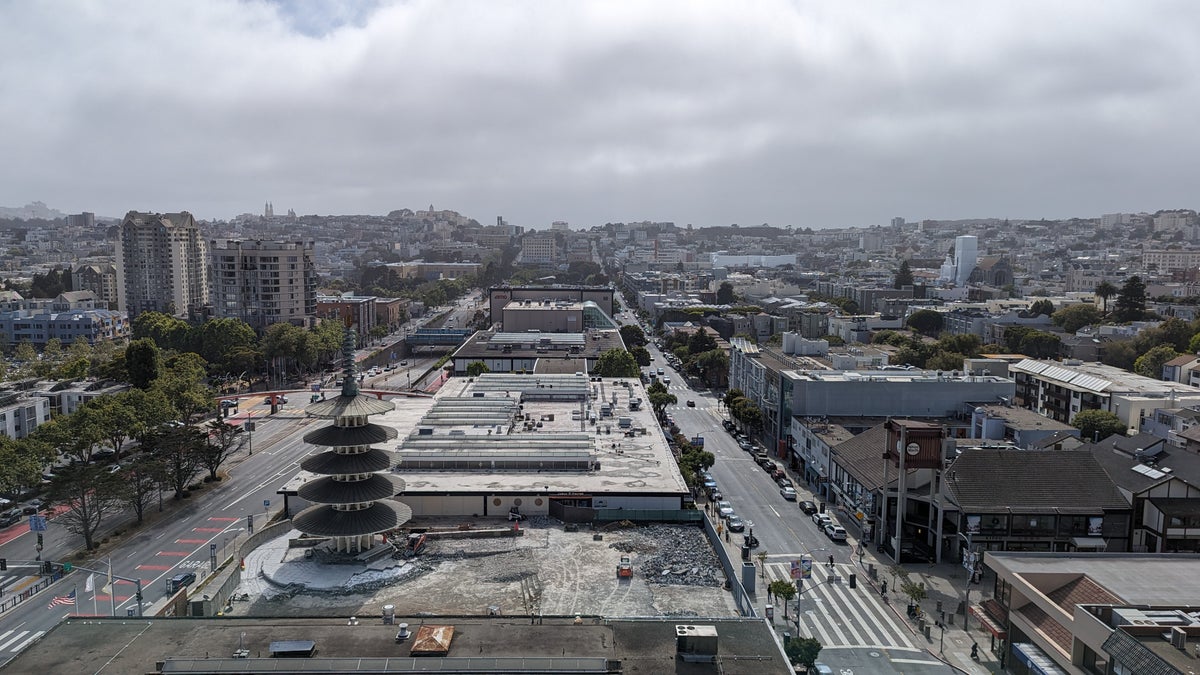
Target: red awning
{"x":988,"y":622}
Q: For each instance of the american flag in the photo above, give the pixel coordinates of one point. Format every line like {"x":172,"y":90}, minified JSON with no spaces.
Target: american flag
{"x":68,"y":599}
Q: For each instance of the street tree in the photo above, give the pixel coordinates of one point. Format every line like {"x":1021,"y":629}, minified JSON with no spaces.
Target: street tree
{"x":1097,"y":425}
{"x":143,"y":362}
{"x":142,"y":481}
{"x":183,"y":385}
{"x":222,"y":441}
{"x":20,"y":465}
{"x":115,"y":420}
{"x":225,"y":342}
{"x":803,"y":651}
{"x":914,"y":591}
{"x":641,"y":355}
{"x":1040,"y":307}
{"x":633,"y":336}
{"x":700,"y":341}
{"x":713,"y":366}
{"x":178,"y":448}
{"x":784,"y":590}
{"x":89,"y":493}
{"x":616,"y":363}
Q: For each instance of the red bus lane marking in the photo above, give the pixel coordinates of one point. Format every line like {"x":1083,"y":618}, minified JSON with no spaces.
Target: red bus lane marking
{"x":191,"y":541}
{"x":208,"y":529}
{"x":174,"y":554}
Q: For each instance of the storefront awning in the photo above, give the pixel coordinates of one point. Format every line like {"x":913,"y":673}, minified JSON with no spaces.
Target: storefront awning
{"x":1089,"y":543}
{"x":1036,"y":659}
{"x":988,"y":622}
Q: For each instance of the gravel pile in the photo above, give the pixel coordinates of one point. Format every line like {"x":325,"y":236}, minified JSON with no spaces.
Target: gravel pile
{"x":678,"y":555}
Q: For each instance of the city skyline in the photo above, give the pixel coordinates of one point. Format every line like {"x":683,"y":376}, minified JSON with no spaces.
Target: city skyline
{"x":705,"y":113}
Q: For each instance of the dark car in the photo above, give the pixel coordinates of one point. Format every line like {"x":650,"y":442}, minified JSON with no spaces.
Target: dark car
{"x":691,"y":404}
{"x":10,"y":517}
{"x":808,"y":507}
{"x":735,"y":524}
{"x":31,"y":508}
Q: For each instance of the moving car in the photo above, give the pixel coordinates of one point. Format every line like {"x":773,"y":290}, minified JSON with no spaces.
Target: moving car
{"x":835,"y":532}
{"x":725,"y":509}
{"x":735,"y":524}
{"x":788,"y":493}
{"x":691,"y":403}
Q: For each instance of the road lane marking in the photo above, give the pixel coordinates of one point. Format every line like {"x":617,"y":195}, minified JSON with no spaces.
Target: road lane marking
{"x":174,"y":554}
{"x":191,"y":541}
{"x":154,"y":568}
{"x":4,"y":645}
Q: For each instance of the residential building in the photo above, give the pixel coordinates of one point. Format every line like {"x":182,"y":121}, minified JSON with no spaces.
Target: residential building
{"x":99,"y":278}
{"x":1060,"y":390}
{"x":162,"y":264}
{"x":264,"y":282}
{"x":21,"y":413}
{"x":357,"y":310}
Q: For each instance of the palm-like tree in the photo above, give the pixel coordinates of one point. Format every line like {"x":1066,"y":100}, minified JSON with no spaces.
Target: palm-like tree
{"x":1105,"y":290}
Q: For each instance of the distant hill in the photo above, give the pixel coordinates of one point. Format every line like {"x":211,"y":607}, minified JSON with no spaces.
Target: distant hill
{"x":31,"y":211}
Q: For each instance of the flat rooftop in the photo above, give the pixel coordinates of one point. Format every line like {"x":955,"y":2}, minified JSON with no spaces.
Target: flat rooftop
{"x":891,"y":376}
{"x":187,"y":645}
{"x":520,"y":433}
{"x":1167,"y":580}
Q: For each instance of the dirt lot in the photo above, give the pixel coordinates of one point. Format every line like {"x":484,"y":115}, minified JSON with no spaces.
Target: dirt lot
{"x":555,"y":571}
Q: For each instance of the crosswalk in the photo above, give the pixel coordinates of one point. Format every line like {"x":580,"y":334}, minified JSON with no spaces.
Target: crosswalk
{"x":15,"y":641}
{"x":839,"y":616}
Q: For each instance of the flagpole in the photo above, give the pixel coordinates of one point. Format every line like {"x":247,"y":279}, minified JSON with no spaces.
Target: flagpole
{"x":75,"y":592}
{"x":92,"y":583}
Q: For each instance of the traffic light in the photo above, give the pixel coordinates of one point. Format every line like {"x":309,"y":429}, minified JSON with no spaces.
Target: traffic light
{"x":3,"y":564}
{"x":47,"y":567}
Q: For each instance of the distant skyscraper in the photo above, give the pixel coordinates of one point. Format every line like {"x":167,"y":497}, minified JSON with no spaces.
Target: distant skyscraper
{"x":966,"y":256}
{"x":162,"y":264}
{"x":264,"y":282}
{"x":897,"y":222}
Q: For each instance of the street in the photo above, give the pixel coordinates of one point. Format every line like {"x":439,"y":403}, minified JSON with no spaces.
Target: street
{"x":859,"y":634}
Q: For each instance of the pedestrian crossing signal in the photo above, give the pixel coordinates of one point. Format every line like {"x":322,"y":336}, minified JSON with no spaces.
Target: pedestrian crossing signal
{"x":3,"y":564}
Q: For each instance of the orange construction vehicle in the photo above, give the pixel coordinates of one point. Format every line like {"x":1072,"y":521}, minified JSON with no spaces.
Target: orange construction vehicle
{"x":625,"y":567}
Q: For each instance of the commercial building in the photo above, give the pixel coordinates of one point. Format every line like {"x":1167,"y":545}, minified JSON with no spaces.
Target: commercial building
{"x":501,"y":296}
{"x":569,"y":446}
{"x":162,"y":264}
{"x":264,"y":282}
{"x":1095,"y":613}
{"x":554,"y":316}
{"x":966,"y":255}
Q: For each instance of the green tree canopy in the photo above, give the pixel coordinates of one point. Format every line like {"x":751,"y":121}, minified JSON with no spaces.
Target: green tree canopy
{"x":725,"y":295}
{"x":143,"y":362}
{"x":1104,"y":291}
{"x":904,"y":276}
{"x":1151,"y":363}
{"x":477,"y":368}
{"x":1131,"y":300}
{"x":803,"y":650}
{"x":1074,"y":317}
{"x":616,"y":363}
{"x":641,"y":355}
{"x":926,"y":322}
{"x":1040,"y":307}
{"x":1097,"y":425}
{"x":633,"y":336}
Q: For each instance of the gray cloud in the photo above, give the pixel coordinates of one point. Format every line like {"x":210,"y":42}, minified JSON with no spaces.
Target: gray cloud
{"x":803,"y":113}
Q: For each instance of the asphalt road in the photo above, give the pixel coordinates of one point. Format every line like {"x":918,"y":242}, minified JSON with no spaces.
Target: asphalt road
{"x":859,"y":634}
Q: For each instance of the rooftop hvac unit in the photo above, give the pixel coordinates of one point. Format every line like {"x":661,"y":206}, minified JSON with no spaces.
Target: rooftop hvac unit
{"x":696,"y":643}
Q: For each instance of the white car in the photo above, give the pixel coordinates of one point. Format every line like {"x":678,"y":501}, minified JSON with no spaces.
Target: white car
{"x":725,"y":509}
{"x":788,"y":492}
{"x":822,"y":519}
{"x":835,"y":532}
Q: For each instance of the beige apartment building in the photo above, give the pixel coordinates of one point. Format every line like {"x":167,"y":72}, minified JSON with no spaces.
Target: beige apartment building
{"x":162,"y":264}
{"x":264,"y":282}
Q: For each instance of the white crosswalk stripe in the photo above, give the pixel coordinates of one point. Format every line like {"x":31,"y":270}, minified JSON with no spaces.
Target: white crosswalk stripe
{"x":9,"y":640}
{"x":837,"y":615}
{"x":25,"y":643}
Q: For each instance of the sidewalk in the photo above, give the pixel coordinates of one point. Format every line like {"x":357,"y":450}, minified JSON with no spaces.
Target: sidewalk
{"x":945,"y":583}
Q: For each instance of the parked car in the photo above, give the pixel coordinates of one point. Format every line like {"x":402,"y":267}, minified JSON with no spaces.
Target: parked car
{"x":229,"y":403}
{"x":10,"y":517}
{"x":835,"y":532}
{"x":784,"y":481}
{"x":735,"y":524}
{"x":821,"y":519}
{"x":725,"y":509}
{"x":715,"y":494}
{"x":808,"y":507}
{"x":102,"y":455}
{"x":728,"y":425}
{"x":822,"y":669}
{"x":32,"y":507}
{"x":710,"y":482}
{"x":788,"y":493}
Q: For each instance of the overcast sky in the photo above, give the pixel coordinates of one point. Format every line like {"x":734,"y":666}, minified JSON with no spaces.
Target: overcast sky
{"x":811,"y":114}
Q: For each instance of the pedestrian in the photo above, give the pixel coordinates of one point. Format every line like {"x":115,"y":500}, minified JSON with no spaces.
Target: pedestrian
{"x":831,"y":560}
{"x":883,"y":588}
